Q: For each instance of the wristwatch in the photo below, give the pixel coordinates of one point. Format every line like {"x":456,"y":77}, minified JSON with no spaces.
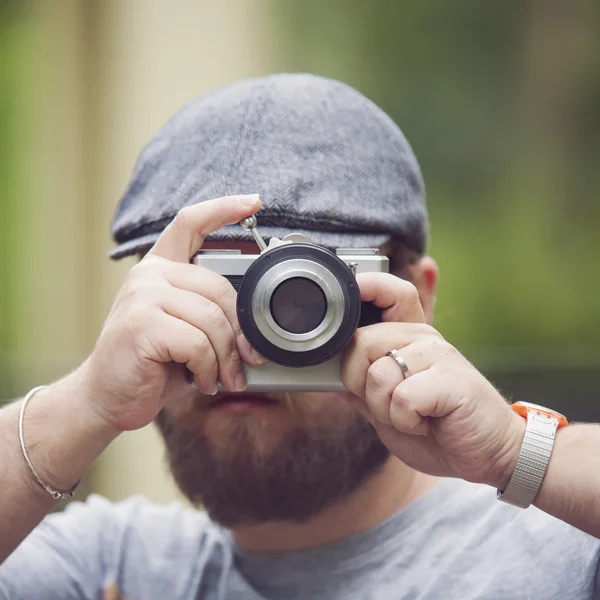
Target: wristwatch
{"x":542,"y":424}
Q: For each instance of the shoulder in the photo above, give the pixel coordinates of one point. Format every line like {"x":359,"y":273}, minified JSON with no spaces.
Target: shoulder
{"x":477,"y":506}
{"x":131,"y":521}
{"x":162,"y":551}
{"x":92,"y":543}
{"x":532,"y":546}
{"x":152,"y":534}
{"x":478,"y":503}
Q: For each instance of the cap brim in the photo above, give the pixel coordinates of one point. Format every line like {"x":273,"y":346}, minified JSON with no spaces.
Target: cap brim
{"x":235,"y":233}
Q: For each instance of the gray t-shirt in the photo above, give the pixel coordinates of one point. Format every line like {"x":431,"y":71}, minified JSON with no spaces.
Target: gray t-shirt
{"x":457,"y":541}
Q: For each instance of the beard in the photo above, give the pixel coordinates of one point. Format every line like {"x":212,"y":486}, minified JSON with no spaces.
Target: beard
{"x":243,"y":473}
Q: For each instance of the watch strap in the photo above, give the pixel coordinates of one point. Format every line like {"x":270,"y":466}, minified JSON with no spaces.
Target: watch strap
{"x":532,"y":462}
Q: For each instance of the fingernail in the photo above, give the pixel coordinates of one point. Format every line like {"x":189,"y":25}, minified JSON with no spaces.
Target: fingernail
{"x":249,"y":200}
{"x":257,"y":358}
{"x":214,"y":391}
{"x":240,"y":382}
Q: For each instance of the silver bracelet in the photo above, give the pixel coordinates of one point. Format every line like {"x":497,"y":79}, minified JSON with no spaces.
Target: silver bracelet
{"x":56,"y":494}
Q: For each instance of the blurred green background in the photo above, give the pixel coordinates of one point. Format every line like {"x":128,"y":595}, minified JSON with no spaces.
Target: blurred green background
{"x":500,"y":101}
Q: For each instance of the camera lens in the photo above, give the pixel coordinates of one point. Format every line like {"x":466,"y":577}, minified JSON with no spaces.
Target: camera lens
{"x":298,"y":305}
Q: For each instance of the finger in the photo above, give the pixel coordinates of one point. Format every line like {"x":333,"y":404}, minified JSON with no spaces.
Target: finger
{"x":174,"y":340}
{"x":412,"y":450}
{"x":210,"y":319}
{"x":378,"y":339}
{"x":398,"y":298}
{"x":419,"y":398}
{"x":404,"y":411}
{"x":375,"y":341}
{"x":382,"y":378}
{"x":184,"y":236}
{"x":219,"y":290}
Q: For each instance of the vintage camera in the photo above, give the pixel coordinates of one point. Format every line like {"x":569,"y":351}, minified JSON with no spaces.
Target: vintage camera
{"x":298,"y":305}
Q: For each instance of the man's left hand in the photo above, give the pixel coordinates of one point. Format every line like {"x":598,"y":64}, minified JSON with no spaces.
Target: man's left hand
{"x":444,"y":418}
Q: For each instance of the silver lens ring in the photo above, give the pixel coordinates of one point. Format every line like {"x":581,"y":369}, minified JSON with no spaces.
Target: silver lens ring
{"x":272,"y":279}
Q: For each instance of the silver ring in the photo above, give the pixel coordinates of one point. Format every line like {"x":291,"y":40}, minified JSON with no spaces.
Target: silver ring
{"x":401,"y":362}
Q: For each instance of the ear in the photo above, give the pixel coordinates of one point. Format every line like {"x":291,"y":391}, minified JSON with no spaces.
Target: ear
{"x":424,"y":276}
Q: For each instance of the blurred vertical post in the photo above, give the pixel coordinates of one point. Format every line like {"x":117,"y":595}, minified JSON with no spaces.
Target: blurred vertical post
{"x":147,"y":59}
{"x":99,"y":78}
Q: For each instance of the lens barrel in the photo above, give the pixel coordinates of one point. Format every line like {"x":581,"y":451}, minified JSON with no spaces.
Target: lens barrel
{"x":298,"y":305}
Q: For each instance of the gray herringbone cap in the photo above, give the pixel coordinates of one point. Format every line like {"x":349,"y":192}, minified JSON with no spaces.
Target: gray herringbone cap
{"x":326,"y":161}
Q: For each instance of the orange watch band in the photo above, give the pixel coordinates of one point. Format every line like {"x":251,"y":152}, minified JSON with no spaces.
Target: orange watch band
{"x":522,"y":408}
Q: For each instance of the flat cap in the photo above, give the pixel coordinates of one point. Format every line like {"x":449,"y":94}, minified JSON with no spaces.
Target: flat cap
{"x":326,"y":161}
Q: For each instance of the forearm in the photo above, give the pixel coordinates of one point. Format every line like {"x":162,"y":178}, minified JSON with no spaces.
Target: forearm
{"x":571,"y":488}
{"x":63,"y":438}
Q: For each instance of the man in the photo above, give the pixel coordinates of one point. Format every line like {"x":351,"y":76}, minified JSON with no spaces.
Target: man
{"x":385,"y":491}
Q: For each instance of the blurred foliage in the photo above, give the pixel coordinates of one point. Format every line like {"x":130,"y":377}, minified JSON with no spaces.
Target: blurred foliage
{"x":501,"y":103}
{"x":9,"y":39}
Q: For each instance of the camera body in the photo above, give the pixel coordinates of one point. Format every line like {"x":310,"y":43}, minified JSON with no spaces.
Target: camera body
{"x":298,"y":305}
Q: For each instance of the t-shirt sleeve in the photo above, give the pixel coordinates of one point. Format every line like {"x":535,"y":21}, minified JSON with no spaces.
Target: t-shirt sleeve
{"x":65,"y":557}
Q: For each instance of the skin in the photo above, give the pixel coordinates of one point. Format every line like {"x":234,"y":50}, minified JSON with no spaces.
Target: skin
{"x":445,"y":420}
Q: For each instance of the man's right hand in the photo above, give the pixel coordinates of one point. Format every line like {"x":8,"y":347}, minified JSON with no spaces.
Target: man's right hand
{"x":169,"y":315}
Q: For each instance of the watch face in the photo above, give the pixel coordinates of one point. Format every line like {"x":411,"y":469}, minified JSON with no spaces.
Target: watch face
{"x":522,"y":407}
